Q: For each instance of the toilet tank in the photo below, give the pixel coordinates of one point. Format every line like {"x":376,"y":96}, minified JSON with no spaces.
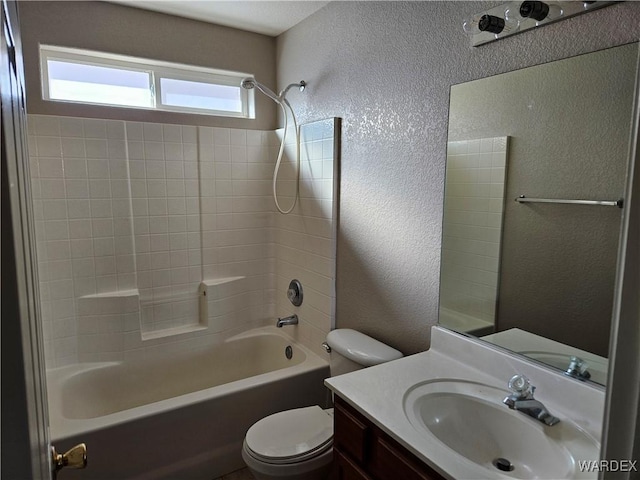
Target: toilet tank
{"x":352,"y":350}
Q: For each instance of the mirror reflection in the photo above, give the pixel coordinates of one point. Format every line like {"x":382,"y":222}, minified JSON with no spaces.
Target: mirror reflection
{"x":538,"y":278}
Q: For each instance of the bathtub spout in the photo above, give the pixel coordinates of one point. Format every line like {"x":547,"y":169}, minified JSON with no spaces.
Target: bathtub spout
{"x":290,"y":320}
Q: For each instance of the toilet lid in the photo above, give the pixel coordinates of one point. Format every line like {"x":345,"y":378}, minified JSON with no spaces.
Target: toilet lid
{"x":291,"y":435}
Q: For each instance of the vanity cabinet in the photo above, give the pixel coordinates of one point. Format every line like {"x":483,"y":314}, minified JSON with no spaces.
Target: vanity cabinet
{"x":364,"y":452}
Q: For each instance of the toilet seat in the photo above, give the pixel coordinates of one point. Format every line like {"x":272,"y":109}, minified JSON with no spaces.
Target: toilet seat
{"x":291,"y":436}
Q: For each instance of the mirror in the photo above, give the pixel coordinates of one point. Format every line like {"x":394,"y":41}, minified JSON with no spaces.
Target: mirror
{"x":538,"y":278}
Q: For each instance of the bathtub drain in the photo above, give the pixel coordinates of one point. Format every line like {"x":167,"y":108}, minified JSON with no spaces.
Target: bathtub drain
{"x":288,"y":352}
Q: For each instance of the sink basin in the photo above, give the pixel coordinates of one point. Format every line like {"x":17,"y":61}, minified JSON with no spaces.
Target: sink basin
{"x":470,"y":419}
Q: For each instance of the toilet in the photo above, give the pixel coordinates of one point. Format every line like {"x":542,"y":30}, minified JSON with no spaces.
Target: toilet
{"x":298,"y":444}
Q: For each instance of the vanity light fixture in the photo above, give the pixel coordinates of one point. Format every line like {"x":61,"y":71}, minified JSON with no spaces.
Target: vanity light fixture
{"x":515,"y":17}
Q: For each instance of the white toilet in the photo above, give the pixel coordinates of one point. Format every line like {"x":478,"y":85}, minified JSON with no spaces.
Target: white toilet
{"x":297,"y":444}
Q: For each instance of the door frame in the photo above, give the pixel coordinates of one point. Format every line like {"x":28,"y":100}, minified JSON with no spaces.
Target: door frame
{"x":621,"y":427}
{"x":26,"y":450}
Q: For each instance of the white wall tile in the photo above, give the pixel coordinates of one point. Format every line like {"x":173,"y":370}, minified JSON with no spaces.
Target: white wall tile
{"x":115,"y":130}
{"x":152,"y":132}
{"x":56,"y":229}
{"x":118,"y":169}
{"x":201,"y":205}
{"x":153,"y":150}
{"x":103,"y":247}
{"x":475,"y":187}
{"x":50,"y":167}
{"x":52,"y":189}
{"x":172,"y":133}
{"x":98,"y":168}
{"x":96,"y":148}
{"x":73,"y":148}
{"x":221,"y":136}
{"x":75,"y":168}
{"x":45,"y":125}
{"x":95,"y":128}
{"x":173,"y":152}
{"x":189,"y":134}
{"x":134,"y":131}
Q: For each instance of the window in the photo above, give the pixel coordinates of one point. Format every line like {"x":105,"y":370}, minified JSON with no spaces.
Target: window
{"x":83,"y":76}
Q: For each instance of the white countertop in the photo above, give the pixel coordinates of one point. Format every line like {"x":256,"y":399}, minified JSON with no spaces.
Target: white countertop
{"x":378,"y":393}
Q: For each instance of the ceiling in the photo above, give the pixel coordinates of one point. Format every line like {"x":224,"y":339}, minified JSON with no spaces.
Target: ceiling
{"x":262,"y":16}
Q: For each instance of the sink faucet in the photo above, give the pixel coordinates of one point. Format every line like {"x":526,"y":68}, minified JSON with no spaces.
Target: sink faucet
{"x":521,"y":399}
{"x":290,"y":320}
{"x":578,"y":369}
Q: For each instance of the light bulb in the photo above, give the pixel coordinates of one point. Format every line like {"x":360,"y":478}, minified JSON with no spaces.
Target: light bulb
{"x":513,"y":12}
{"x":470,"y":26}
{"x":497,"y":25}
{"x":538,"y":11}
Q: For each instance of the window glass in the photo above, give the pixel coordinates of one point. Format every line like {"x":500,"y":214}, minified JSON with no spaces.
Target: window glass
{"x":184,"y":93}
{"x":84,"y":76}
{"x":95,"y":84}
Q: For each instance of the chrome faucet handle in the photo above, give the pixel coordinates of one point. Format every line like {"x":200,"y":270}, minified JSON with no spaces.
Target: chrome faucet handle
{"x":521,"y":387}
{"x":521,"y":399}
{"x":291,"y":295}
{"x":578,"y":368}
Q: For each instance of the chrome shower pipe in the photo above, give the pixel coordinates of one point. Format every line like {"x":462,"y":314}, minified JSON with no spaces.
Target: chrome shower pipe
{"x":249,"y":83}
{"x":281,"y":99}
{"x":300,"y":85}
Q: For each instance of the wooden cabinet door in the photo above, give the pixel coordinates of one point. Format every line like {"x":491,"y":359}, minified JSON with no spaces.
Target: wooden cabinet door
{"x":345,"y":469}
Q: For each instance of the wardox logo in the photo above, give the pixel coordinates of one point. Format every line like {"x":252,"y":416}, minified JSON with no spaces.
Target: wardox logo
{"x":607,"y":465}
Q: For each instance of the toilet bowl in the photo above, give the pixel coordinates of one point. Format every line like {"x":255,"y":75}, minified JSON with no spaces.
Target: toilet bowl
{"x":298,"y":444}
{"x":294,"y":445}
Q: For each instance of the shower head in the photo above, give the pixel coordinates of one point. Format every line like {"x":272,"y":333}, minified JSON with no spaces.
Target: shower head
{"x":250,"y":83}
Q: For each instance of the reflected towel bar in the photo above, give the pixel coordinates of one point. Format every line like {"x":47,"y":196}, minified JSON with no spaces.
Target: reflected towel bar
{"x":605,"y":203}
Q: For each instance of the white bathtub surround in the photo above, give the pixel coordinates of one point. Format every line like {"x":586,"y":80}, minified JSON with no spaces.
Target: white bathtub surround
{"x":237,"y":217}
{"x":305,"y":239}
{"x":179,"y":219}
{"x":163,"y":165}
{"x":83,"y":220}
{"x":380,"y":394}
{"x":176,"y":425}
{"x":473,"y":211}
{"x":104,"y":321}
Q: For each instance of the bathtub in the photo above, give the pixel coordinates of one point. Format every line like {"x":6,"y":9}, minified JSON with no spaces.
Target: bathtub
{"x":182,"y":416}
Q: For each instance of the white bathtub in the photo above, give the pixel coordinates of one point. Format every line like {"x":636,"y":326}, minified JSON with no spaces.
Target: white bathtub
{"x":180,"y":417}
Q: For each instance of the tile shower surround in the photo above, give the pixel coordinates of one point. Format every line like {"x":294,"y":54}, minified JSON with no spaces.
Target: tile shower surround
{"x":135,"y":221}
{"x":474,"y":205}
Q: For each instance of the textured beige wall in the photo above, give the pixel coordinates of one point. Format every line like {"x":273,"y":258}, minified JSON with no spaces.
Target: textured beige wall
{"x":386,"y":68}
{"x":123,"y":30}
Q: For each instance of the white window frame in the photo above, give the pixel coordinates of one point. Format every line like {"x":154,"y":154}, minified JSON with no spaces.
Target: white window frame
{"x":156,"y":71}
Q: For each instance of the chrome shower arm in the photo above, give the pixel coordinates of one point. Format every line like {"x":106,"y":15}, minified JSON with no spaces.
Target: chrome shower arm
{"x":300,"y":85}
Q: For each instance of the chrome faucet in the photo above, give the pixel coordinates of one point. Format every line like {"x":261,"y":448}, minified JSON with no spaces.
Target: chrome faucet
{"x":521,"y":399}
{"x":578,"y":368}
{"x":290,"y":320}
